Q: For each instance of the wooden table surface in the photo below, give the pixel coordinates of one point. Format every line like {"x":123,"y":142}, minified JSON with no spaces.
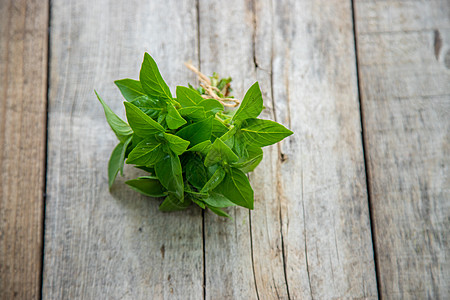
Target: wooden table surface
{"x":354,"y":205}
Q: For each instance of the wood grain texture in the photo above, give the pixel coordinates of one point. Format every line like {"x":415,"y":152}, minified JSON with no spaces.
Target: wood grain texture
{"x":404,"y":63}
{"x":322,"y":184}
{"x":23,"y":89}
{"x":310,"y":233}
{"x":102,"y":245}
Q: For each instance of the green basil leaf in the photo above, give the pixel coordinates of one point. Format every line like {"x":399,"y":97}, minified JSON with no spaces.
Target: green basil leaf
{"x":150,"y":107}
{"x":135,"y":140}
{"x":220,"y":152}
{"x":147,"y":153}
{"x":195,"y":172}
{"x":248,"y":164}
{"x":251,"y":105}
{"x":130,"y":88}
{"x":214,"y":181}
{"x":172,"y":203}
{"x":199,"y":203}
{"x":176,"y":144}
{"x":197,"y":132}
{"x":218,"y":129}
{"x":141,"y":124}
{"x":115,"y":163}
{"x":236,"y":188}
{"x":223,"y":82}
{"x":196,"y":195}
{"x":146,"y":169}
{"x":170,"y":174}
{"x":211,"y":106}
{"x":188,"y":97}
{"x":173,"y":118}
{"x":120,"y":127}
{"x":152,"y":81}
{"x":260,"y":133}
{"x":124,"y":153}
{"x":218,"y":211}
{"x":217,"y":200}
{"x":240,"y":145}
{"x":202,"y":147}
{"x":228,"y":137}
{"x":162,"y":118}
{"x":193,"y":113}
{"x":147,"y":185}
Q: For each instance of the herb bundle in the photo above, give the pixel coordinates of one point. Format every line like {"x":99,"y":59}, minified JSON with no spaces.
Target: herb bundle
{"x":194,"y":150}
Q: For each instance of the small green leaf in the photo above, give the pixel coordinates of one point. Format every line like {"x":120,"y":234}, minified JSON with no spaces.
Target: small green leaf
{"x":228,"y":137}
{"x":240,"y":145}
{"x":120,"y":127}
{"x":130,"y":88}
{"x":195,"y":172}
{"x":197,"y":132}
{"x":150,"y":107}
{"x":147,"y":185}
{"x":214,"y":181}
{"x":188,"y":97}
{"x":199,"y":203}
{"x":141,"y":124}
{"x":170,"y":174}
{"x":260,"y":133}
{"x":116,"y":161}
{"x":211,"y":106}
{"x":202,"y":147}
{"x":146,"y":153}
{"x":218,"y":129}
{"x":249,"y":163}
{"x":236,"y":188}
{"x":124,"y":153}
{"x":223,"y":82}
{"x":146,"y":169}
{"x":152,"y":81}
{"x":220,"y":152}
{"x":162,"y":118}
{"x":193,"y":113}
{"x":172,"y":203}
{"x":176,"y":144}
{"x":218,"y":211}
{"x":196,"y":195}
{"x":251,"y":105}
{"x":114,"y":164}
{"x":217,"y":200}
{"x":173,"y":118}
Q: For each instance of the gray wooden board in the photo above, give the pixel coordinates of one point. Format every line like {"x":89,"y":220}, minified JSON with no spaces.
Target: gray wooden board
{"x":310,"y":233}
{"x":102,"y":245}
{"x":322,"y":179}
{"x":23,"y":85}
{"x":404,"y":63}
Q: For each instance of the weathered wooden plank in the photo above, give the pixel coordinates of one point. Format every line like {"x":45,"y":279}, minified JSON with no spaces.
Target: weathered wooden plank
{"x":404,"y":64}
{"x":23,"y":89}
{"x":325,"y":216}
{"x":310,"y":233}
{"x":102,"y":245}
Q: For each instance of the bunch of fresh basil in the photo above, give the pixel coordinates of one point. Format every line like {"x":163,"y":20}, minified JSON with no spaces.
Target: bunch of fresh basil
{"x":193,"y":149}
